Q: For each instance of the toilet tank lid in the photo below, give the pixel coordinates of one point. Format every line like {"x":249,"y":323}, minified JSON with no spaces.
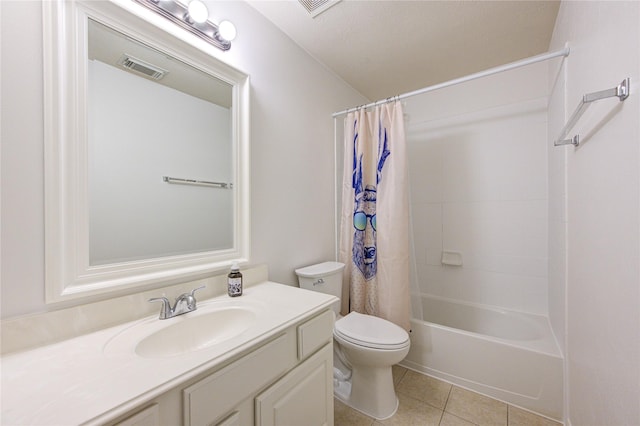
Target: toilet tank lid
{"x":319,"y":270}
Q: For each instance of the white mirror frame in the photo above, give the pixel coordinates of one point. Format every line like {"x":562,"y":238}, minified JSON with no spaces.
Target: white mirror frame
{"x":68,"y":274}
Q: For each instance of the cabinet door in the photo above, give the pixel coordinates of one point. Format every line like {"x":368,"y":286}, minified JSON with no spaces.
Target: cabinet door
{"x":302,"y":397}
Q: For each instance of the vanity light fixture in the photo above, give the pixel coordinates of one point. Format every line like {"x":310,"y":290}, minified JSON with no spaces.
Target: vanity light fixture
{"x":227,"y":30}
{"x":194,"y":17}
{"x":197,"y":12}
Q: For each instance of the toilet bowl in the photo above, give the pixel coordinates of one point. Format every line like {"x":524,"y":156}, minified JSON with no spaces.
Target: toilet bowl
{"x":365,"y":348}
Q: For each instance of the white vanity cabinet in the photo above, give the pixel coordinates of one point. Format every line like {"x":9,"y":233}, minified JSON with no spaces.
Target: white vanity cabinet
{"x":278,"y":371}
{"x":285,"y":380}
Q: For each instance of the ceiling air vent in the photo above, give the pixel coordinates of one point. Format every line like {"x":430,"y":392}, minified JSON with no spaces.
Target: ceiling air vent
{"x":316,"y":7}
{"x":138,"y":65}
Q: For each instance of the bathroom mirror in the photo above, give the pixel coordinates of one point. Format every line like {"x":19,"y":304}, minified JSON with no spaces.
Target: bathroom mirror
{"x":146,"y":152}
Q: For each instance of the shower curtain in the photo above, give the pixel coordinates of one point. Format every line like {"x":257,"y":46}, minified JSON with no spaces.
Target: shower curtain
{"x":374,"y":237}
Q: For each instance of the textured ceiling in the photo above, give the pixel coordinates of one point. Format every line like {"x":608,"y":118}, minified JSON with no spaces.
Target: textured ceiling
{"x":385,"y":48}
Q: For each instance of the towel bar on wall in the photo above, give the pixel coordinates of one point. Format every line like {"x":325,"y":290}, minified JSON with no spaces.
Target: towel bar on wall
{"x":197,"y":182}
{"x":621,"y":91}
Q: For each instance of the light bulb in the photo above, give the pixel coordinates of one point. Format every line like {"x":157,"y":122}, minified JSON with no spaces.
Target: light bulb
{"x":227,"y":30}
{"x":198,"y":11}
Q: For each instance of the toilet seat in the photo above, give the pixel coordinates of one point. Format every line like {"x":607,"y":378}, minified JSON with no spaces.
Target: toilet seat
{"x":371,"y":332}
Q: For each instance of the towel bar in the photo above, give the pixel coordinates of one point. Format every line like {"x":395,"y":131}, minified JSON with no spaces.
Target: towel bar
{"x":621,"y":91}
{"x":197,"y":182}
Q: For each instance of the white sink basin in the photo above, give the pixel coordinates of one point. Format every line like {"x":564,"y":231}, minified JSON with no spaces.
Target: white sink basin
{"x":204,"y":328}
{"x":196,"y":332}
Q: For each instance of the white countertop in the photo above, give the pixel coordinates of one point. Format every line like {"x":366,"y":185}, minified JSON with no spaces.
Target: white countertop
{"x":76,"y":382}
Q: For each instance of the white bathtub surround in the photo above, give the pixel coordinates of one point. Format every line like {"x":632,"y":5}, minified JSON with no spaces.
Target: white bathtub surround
{"x":478,"y":167}
{"x":29,"y":331}
{"x":374,"y":231}
{"x":510,"y":356}
{"x":95,"y":379}
{"x":478,"y":172}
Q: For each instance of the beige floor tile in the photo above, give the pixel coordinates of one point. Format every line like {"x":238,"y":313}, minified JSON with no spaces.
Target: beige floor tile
{"x":424,"y":388}
{"x":449,"y":419}
{"x":519,"y":417}
{"x":412,"y":412}
{"x":421,"y":395}
{"x":476,"y":408}
{"x":343,"y":415}
{"x":398,"y":373}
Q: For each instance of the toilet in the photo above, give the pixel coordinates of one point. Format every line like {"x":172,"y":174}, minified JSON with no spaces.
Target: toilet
{"x":365,"y":348}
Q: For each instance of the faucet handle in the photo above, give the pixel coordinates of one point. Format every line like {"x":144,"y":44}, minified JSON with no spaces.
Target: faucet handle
{"x":191,"y":298}
{"x":165,"y":311}
{"x":196,"y":289}
{"x":186,"y":302}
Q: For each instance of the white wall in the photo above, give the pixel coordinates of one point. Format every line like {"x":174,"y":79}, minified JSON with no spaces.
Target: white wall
{"x":292,"y":98}
{"x":478,"y":167}
{"x":602,"y":200}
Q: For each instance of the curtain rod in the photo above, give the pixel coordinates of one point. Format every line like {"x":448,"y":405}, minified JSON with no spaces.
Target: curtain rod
{"x":490,"y":71}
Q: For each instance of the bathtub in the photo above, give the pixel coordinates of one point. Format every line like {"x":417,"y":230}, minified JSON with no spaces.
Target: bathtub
{"x":506,"y":355}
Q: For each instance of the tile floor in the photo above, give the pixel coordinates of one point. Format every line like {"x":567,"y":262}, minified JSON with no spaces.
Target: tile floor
{"x":426,"y":401}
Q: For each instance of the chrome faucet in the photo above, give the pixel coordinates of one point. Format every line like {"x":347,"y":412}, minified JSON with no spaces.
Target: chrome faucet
{"x":186,"y":302}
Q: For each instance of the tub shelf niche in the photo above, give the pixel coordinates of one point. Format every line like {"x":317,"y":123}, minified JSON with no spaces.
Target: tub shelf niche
{"x":451,"y":258}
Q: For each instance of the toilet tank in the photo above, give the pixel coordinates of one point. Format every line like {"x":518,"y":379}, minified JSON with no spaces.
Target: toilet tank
{"x":324,"y":277}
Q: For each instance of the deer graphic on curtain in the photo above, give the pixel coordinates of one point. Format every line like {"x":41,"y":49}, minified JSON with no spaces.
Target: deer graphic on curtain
{"x":374,"y":238}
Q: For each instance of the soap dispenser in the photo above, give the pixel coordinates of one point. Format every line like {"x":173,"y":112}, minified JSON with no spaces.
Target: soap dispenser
{"x":234,"y":281}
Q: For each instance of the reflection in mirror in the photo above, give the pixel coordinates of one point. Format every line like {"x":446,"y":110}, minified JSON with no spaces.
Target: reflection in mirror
{"x":151,"y":115}
{"x":146,"y":152}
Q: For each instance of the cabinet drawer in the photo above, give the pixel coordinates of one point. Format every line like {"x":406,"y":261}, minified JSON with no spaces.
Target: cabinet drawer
{"x":214,"y":396}
{"x":315,"y":333}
